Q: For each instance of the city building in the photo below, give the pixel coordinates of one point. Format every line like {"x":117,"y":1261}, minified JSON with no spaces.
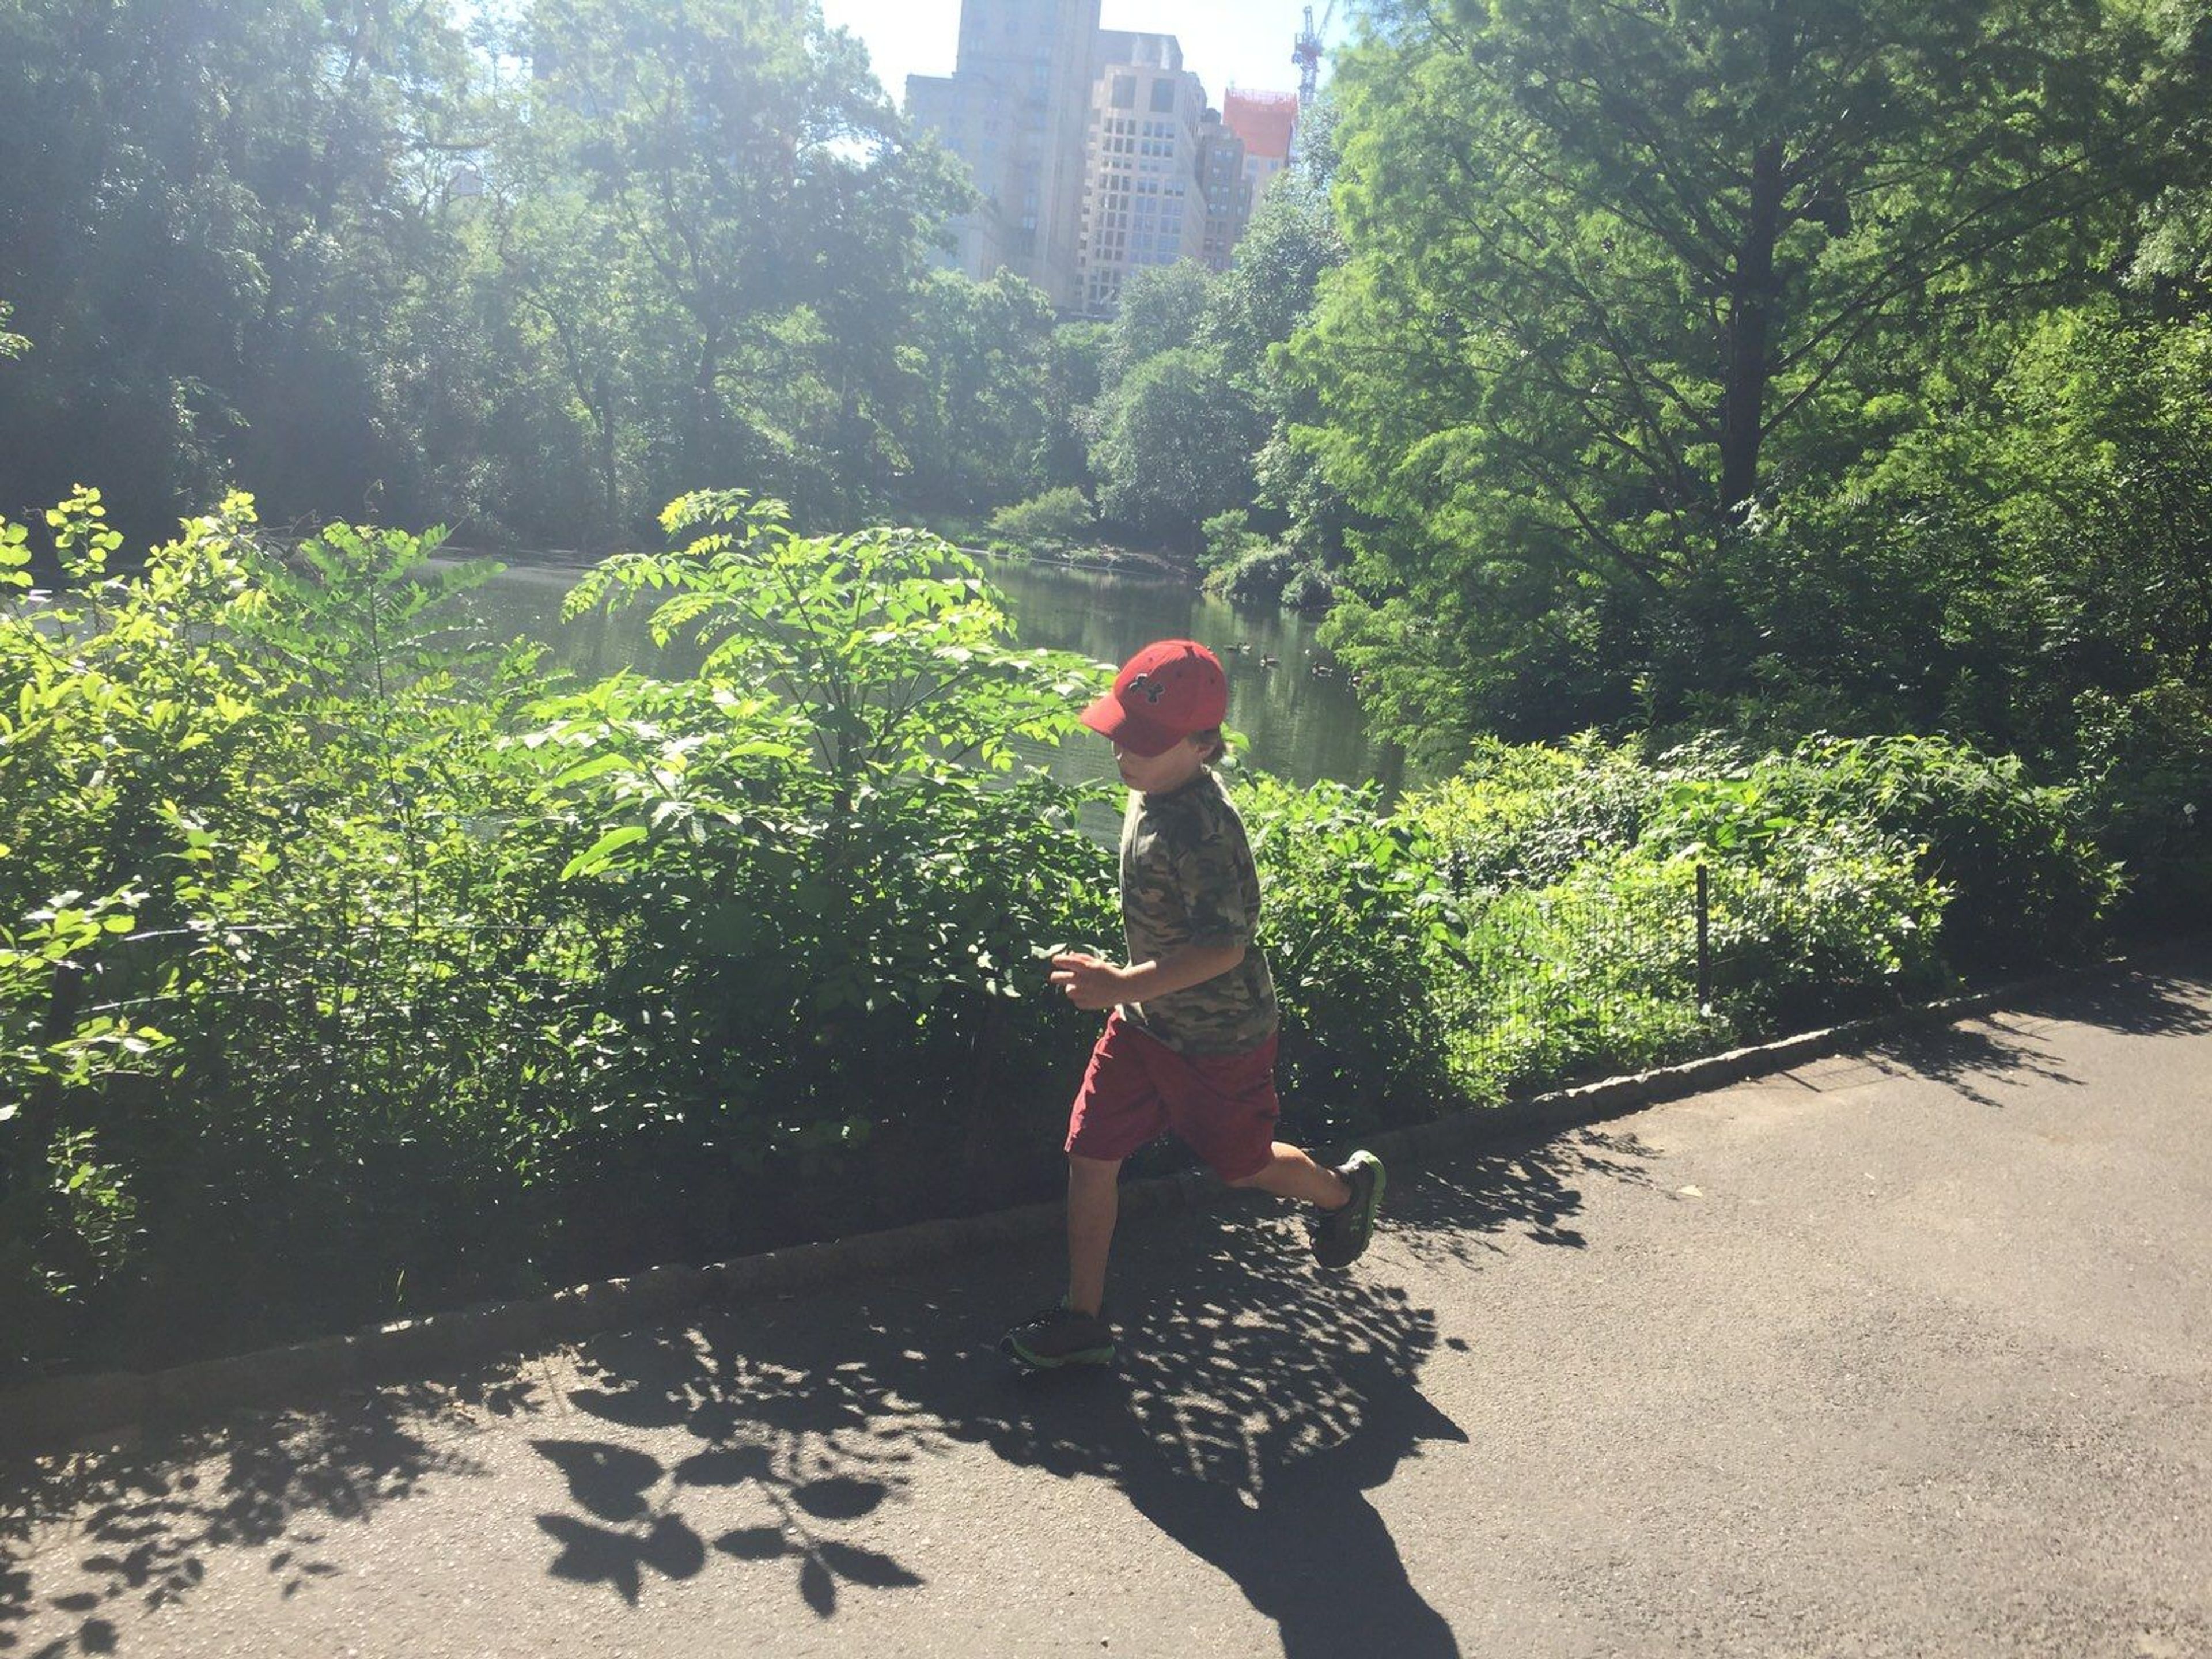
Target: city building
{"x":1142,"y":203}
{"x":1093,"y":150}
{"x":1228,"y":193}
{"x":1265,"y":122}
{"x":1014,"y":108}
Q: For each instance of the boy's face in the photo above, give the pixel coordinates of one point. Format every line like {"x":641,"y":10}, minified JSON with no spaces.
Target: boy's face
{"x":1156,"y":774}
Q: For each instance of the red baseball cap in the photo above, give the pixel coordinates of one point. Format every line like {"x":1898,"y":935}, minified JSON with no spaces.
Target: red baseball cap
{"x":1164,"y":694}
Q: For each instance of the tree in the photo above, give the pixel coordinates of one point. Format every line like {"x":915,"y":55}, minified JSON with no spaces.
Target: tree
{"x":772,"y":221}
{"x":210,"y":216}
{"x":1174,"y":446}
{"x":1163,"y":308}
{"x":987,"y":392}
{"x":2038,"y":528}
{"x":1257,"y":307}
{"x":1616,"y":269}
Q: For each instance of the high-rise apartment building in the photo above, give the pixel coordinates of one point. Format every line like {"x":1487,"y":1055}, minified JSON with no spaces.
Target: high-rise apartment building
{"x":1228,"y":193}
{"x":1093,"y":150}
{"x":1142,"y":204}
{"x":1014,"y":109}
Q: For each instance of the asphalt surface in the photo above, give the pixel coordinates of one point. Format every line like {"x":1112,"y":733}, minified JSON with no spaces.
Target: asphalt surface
{"x":1906,"y":1351}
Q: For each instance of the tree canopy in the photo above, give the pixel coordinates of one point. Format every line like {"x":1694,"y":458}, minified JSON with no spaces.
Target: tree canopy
{"x":1620,"y":275}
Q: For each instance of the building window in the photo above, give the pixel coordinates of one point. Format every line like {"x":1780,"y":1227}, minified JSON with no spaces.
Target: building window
{"x":1124,"y":95}
{"x":1163,"y":92}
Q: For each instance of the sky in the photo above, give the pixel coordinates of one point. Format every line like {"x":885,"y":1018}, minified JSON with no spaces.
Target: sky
{"x":1241,"y":43}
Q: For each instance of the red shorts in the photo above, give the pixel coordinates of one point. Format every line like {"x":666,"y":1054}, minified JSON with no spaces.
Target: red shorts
{"x":1137,"y":1088}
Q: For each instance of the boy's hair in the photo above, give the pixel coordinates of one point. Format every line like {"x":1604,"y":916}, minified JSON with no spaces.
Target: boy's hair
{"x":1211,"y":742}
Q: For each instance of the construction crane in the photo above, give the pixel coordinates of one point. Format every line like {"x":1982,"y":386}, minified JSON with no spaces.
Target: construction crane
{"x":1305,"y":52}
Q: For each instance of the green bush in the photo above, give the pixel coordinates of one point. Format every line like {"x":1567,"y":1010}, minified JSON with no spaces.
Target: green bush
{"x":409,"y":978}
{"x":2146,"y":799}
{"x":1228,"y":537}
{"x":1524,"y":815}
{"x":1588,"y":976}
{"x":350,"y":966}
{"x":1359,"y":931}
{"x":1308,"y":589}
{"x":1055,"y":518}
{"x":1258,"y":577}
{"x":2025,"y":886}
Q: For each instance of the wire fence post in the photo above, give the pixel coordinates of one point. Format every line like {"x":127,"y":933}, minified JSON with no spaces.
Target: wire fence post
{"x":1704,"y":941}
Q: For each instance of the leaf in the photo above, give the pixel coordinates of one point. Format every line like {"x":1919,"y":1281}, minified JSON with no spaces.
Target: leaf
{"x":601,"y":852}
{"x":865,"y":1566}
{"x":753,"y":1543}
{"x":839,"y":1497}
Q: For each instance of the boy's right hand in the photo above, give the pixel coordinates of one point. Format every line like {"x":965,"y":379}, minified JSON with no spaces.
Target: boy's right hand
{"x":1091,"y":982}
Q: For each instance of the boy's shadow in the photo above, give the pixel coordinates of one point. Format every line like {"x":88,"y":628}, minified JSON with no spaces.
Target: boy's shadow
{"x":1256,"y":1412}
{"x":1255,"y":1408}
{"x":1257,"y":1405}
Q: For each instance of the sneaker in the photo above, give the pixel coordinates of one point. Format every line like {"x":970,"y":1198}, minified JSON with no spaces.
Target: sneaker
{"x":1059,"y":1336}
{"x":1340,"y":1236}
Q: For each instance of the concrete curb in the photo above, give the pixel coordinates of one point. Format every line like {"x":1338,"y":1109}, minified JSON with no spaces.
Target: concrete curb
{"x":70,"y":1413}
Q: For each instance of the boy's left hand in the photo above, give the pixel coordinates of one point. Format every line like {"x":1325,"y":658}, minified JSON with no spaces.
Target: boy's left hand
{"x":1090,"y":982}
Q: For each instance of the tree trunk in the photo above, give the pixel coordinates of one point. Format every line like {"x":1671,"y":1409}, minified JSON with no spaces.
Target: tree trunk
{"x":1750,"y":328}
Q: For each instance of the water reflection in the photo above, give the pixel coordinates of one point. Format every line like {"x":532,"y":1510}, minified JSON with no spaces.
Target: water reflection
{"x":1301,"y":725}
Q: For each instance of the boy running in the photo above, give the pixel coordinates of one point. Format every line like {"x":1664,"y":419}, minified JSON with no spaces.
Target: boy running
{"x":1190,"y":1044}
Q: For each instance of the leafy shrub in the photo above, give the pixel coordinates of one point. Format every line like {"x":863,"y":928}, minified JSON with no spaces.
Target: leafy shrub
{"x":1259,"y":576}
{"x":1358,"y":931}
{"x":1586,"y":976}
{"x":1053,"y":518}
{"x":411,"y":978}
{"x":1527,"y":814}
{"x":1308,"y":589}
{"x":1228,"y":539}
{"x":2146,"y":798}
{"x":2025,"y":886}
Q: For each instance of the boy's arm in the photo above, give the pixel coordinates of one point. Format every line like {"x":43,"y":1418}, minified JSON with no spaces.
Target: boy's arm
{"x":1093,"y":982}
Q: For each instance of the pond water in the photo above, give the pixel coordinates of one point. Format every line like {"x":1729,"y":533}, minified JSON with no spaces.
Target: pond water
{"x":1300,"y":725}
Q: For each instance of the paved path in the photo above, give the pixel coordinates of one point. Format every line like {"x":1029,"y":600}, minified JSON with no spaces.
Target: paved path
{"x":1908,"y":1352}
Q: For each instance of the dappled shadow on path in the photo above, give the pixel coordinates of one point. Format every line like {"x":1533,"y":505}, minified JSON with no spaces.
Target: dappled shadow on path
{"x":2170,"y":996}
{"x":2011,"y":1044}
{"x":1259,"y":1404}
{"x":135,"y":1529}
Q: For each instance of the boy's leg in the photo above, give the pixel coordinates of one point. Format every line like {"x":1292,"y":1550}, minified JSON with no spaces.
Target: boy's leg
{"x":1074,"y":1333}
{"x":1290,"y":1173}
{"x":1093,"y":1202}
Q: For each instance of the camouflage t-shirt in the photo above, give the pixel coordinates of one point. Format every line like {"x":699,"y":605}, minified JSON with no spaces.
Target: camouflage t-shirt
{"x":1188,"y":878}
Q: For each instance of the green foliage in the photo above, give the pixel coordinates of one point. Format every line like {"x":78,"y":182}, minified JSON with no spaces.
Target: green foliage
{"x":2024,"y":887}
{"x":2145,"y":798}
{"x":993,"y":401}
{"x":344,"y":253}
{"x":1058,"y":518}
{"x":2049,"y":534}
{"x":1163,"y":308}
{"x":350,"y":966}
{"x":1616,"y":274}
{"x":1260,"y":576}
{"x":346,"y":966}
{"x":1360,"y":935}
{"x":1174,"y":446}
